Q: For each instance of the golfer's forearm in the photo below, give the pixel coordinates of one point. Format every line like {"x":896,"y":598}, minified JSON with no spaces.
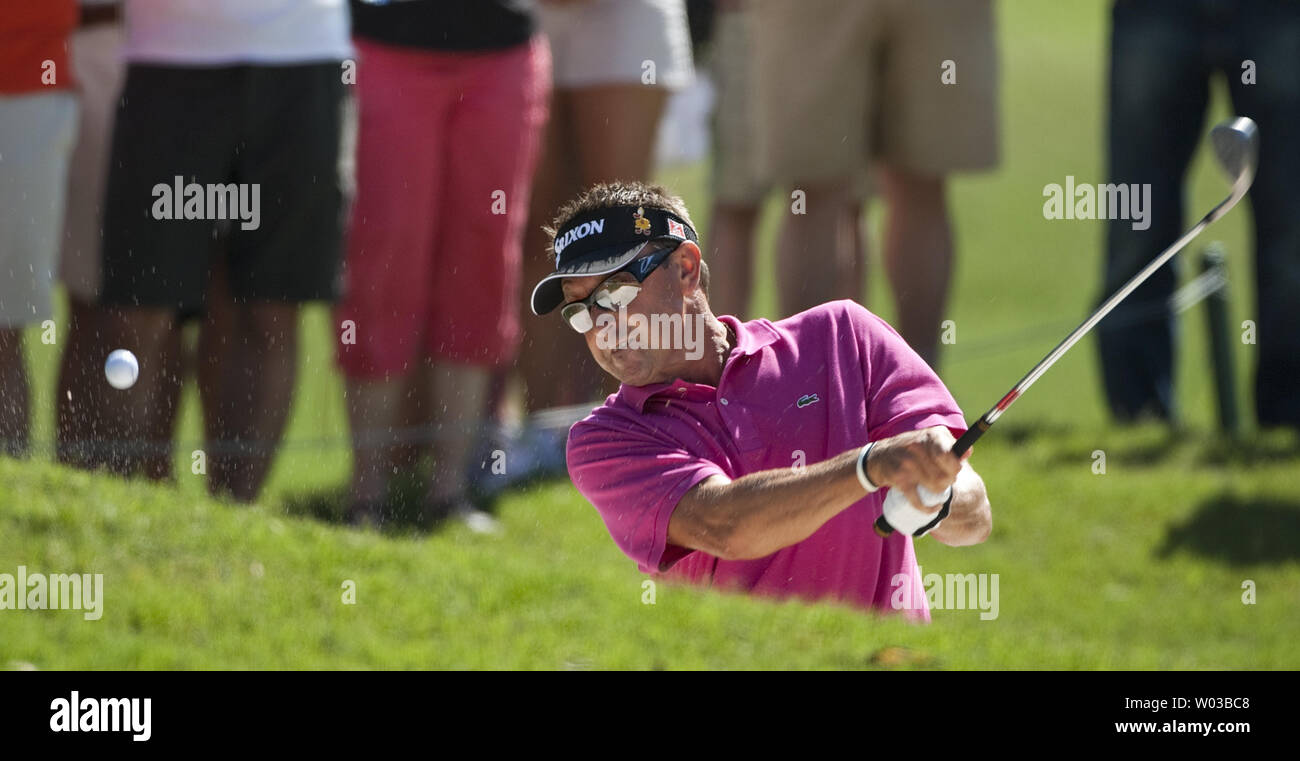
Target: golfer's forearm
{"x":760,"y":513}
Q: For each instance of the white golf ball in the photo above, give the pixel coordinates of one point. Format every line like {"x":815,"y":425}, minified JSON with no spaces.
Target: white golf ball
{"x":121,"y":369}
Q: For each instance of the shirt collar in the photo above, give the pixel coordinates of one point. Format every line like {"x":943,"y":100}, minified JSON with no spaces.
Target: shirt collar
{"x":751,"y":337}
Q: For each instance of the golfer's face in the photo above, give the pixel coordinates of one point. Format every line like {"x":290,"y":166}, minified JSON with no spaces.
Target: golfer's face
{"x":607,"y":342}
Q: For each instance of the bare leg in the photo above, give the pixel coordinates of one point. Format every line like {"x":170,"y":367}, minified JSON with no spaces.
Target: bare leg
{"x":460,"y":403}
{"x":133,"y":417}
{"x":374,"y":407}
{"x":412,"y":398}
{"x":498,"y":394}
{"x":821,"y":252}
{"x":732,"y":258}
{"x":257,"y":383}
{"x":156,"y":462}
{"x":918,"y":256}
{"x":614,"y":127}
{"x":460,"y":398}
{"x":216,"y":356}
{"x":214,"y":352}
{"x":79,"y":401}
{"x":15,"y":423}
{"x":545,"y":345}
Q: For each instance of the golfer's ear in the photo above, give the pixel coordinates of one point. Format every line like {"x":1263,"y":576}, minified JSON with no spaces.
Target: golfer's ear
{"x":688,"y":266}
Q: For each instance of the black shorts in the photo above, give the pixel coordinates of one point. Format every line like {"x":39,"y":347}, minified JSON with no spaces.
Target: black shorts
{"x":256,"y":146}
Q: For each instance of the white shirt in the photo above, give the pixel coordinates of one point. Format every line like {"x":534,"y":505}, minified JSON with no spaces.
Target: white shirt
{"x":223,"y":32}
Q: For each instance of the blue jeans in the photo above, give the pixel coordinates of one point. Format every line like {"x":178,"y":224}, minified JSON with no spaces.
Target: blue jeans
{"x":1163,"y":54}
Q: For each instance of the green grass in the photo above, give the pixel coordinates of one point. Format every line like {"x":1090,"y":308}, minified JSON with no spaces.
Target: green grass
{"x":1141,"y":567}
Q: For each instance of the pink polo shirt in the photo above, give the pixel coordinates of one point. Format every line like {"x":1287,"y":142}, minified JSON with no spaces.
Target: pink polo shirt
{"x":818,"y":383}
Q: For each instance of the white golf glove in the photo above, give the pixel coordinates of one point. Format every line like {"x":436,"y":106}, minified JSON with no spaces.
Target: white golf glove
{"x":904,"y":517}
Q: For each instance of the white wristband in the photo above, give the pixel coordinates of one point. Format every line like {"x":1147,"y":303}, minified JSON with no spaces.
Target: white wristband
{"x":906,"y":518}
{"x":862,"y":469}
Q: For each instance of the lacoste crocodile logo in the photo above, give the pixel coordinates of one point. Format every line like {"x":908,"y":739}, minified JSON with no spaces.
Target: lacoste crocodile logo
{"x":806,"y":400}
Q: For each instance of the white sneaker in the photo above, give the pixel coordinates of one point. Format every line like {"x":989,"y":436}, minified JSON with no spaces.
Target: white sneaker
{"x":478,"y":521}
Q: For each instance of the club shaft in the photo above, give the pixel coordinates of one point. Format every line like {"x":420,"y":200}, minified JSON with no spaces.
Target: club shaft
{"x":964,"y":443}
{"x":977,"y":430}
{"x":1236,"y":147}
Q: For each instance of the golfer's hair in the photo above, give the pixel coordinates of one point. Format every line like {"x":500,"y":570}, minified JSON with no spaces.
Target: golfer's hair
{"x":618,"y":193}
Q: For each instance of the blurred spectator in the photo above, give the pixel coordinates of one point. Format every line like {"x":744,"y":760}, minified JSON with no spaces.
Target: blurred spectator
{"x":231,"y":117}
{"x":96,"y":54}
{"x":452,"y":100}
{"x":1163,"y":53}
{"x":82,"y":395}
{"x":615,"y":63}
{"x":835,"y":84}
{"x":737,"y":188}
{"x":38,"y":122}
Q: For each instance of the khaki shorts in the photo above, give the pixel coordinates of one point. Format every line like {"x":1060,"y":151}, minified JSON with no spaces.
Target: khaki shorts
{"x":604,"y":42}
{"x":837,"y":84}
{"x":735,"y":177}
{"x":37,"y":131}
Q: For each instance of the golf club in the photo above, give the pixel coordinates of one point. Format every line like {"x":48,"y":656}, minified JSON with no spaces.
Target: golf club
{"x":1236,"y":146}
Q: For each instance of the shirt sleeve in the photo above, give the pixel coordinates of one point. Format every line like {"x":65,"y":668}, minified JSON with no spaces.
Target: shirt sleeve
{"x":903,"y":392}
{"x":635,"y":481}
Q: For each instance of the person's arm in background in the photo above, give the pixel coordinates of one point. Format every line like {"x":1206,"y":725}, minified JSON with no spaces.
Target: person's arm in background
{"x":758,"y":514}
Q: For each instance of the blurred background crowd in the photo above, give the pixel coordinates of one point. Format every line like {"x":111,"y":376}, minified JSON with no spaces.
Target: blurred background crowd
{"x":407,"y":155}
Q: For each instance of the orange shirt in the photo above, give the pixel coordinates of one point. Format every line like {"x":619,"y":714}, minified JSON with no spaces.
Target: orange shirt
{"x":33,"y":32}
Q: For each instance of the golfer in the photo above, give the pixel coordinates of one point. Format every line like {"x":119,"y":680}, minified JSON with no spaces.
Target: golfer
{"x":750,"y":455}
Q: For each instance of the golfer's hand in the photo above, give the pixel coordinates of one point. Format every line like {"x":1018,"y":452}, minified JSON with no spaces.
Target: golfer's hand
{"x":917,"y":457}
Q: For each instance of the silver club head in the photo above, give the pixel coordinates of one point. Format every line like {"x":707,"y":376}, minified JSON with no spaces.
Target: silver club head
{"x":1236,"y":146}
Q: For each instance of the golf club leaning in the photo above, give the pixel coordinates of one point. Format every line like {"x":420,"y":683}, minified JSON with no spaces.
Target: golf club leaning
{"x":1236,"y":146}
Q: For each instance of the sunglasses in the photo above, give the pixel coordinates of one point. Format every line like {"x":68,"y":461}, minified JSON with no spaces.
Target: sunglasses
{"x":618,"y":290}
